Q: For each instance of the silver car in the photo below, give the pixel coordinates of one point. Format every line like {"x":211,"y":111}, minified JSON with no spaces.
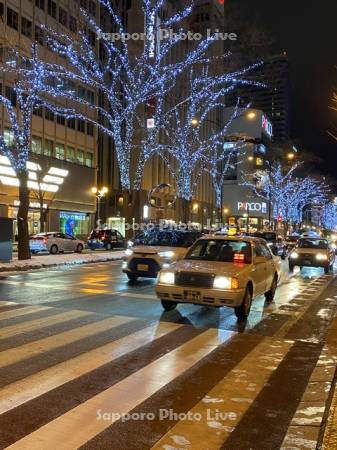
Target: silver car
{"x":55,"y":242}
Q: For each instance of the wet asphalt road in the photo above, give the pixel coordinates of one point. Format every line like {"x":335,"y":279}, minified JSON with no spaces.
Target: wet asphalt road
{"x":80,"y":342}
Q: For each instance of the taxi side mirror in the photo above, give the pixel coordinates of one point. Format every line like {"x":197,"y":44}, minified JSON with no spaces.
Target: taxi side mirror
{"x":260,"y":259}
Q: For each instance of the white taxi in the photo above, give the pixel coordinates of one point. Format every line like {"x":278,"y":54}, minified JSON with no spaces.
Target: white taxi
{"x":221,"y":271}
{"x":156,"y":249}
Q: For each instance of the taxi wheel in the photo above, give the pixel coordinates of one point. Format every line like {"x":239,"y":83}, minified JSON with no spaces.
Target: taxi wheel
{"x":168,"y":306}
{"x":271,"y":294}
{"x":243,"y":310}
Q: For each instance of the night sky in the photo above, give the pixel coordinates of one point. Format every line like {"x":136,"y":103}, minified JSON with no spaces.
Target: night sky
{"x":307,"y":30}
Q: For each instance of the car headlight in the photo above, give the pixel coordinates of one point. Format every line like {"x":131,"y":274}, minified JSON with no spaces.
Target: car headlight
{"x":294,"y":255}
{"x":130,"y":244}
{"x":128,"y":252}
{"x":321,"y":257}
{"x":167,"y":254}
{"x":225,"y":283}
{"x":166,"y":277}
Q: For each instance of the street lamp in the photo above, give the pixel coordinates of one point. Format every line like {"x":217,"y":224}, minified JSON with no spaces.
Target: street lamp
{"x":290,"y":156}
{"x":99,"y":194}
{"x":251,"y":115}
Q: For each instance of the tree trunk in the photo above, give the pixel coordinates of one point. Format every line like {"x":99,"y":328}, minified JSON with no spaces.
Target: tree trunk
{"x":183,"y":210}
{"x":23,"y":233}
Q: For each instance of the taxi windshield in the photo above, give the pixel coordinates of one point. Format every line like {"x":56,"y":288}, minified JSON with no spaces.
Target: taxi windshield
{"x":221,"y":250}
{"x":313,"y":243}
{"x":162,"y":238}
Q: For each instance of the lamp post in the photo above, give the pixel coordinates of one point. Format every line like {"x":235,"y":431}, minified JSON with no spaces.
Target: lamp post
{"x":99,"y":194}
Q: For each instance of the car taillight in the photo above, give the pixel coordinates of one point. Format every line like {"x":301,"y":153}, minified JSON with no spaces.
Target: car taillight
{"x":239,"y":258}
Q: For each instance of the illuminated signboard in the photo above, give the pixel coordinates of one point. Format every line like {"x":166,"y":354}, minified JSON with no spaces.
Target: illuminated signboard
{"x":252,"y":207}
{"x":267,"y":126}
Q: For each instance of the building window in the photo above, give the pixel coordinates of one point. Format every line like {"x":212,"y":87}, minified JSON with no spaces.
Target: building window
{"x":39,"y":35}
{"x":89,"y":157}
{"x":48,"y":147}
{"x":12,"y":19}
{"x":38,"y":110}
{"x":92,"y":8}
{"x":59,"y":151}
{"x":80,"y":125}
{"x":91,"y":38}
{"x":80,"y":157}
{"x":40,"y":4}
{"x":11,"y":94}
{"x":71,"y":123}
{"x":72,"y":24}
{"x":82,"y":92}
{"x":36,"y":145}
{"x":90,"y":129}
{"x":26,"y":27}
{"x":49,"y":115}
{"x":63,"y":17}
{"x":8,"y":137}
{"x":90,"y":95}
{"x":52,"y":8}
{"x":71,"y":154}
{"x":60,"y":120}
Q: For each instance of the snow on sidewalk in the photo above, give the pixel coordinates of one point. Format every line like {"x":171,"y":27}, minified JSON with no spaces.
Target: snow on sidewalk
{"x":41,"y":261}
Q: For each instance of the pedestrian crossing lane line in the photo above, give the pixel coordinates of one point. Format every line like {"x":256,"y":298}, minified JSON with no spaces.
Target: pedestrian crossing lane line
{"x":22,"y":312}
{"x":223,"y":407}
{"x":41,"y":382}
{"x":30,"y":325}
{"x":44,"y":345}
{"x":124,"y":396}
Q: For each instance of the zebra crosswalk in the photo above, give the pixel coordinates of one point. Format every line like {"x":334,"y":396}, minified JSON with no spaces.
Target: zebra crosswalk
{"x":73,"y":379}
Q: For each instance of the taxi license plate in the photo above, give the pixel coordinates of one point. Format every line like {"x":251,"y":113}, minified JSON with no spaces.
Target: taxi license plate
{"x":192,"y":295}
{"x":142,"y":267}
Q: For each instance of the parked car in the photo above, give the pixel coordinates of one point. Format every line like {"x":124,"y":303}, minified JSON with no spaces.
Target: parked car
{"x":312,"y":252}
{"x":276,"y":243}
{"x":221,"y":271}
{"x":107,"y":239}
{"x":55,"y":242}
{"x":155,"y":249}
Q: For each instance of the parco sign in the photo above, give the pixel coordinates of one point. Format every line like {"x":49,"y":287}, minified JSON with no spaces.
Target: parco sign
{"x":252,"y":207}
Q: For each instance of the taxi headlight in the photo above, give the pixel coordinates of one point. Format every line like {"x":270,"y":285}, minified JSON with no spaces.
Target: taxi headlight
{"x":168,"y":254}
{"x":321,"y":257}
{"x":225,"y":283}
{"x":128,"y":252}
{"x":166,"y":277}
{"x":294,"y":255}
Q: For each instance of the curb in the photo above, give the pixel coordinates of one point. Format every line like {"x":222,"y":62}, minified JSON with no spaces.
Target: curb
{"x":45,"y":266}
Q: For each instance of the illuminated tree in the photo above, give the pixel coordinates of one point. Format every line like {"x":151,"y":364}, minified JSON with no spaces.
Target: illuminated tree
{"x":28,"y":78}
{"x":329,"y":216}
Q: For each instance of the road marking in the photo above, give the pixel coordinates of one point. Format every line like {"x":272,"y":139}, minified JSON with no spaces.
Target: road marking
{"x":58,"y":317}
{"x":41,"y":382}
{"x":22,"y":312}
{"x":123,"y":397}
{"x":223,"y":407}
{"x":41,"y":346}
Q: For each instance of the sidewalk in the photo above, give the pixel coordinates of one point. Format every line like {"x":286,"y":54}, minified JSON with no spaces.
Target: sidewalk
{"x":42,"y":261}
{"x":329,"y":430}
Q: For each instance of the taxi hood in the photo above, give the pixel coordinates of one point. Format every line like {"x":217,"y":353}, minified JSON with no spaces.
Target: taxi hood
{"x":153,"y":250}
{"x":212,"y":267}
{"x":310,"y":251}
